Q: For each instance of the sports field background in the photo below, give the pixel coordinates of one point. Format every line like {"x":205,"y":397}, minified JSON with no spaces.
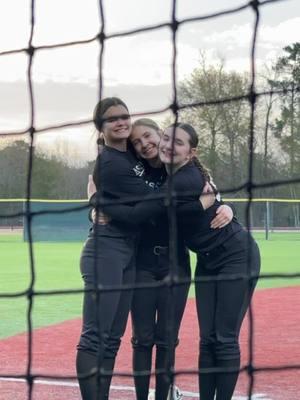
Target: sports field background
{"x":57,"y":323}
{"x":57,"y":268}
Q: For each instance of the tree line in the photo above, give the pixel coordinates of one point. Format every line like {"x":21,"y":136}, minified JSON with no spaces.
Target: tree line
{"x":224,"y":128}
{"x":51,"y":177}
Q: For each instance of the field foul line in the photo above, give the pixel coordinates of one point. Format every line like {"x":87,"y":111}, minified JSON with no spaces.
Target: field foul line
{"x":258,"y":396}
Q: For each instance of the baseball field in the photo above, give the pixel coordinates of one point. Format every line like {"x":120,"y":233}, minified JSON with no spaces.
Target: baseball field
{"x":55,"y":323}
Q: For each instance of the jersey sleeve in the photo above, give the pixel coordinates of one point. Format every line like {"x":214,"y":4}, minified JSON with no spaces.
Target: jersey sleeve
{"x":188,"y":185}
{"x":116,"y":179}
{"x":154,"y":206}
{"x":189,"y":208}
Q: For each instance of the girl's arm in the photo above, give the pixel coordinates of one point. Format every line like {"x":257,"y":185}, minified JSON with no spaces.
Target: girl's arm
{"x":149,"y":207}
{"x":155,"y":206}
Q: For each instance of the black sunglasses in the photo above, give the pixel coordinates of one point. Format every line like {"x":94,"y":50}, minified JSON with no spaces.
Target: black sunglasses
{"x":115,"y":118}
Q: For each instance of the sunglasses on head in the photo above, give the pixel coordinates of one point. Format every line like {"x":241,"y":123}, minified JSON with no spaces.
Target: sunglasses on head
{"x":115,"y":118}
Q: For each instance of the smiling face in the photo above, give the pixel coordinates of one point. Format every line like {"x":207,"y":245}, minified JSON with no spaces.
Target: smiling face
{"x":182,"y":151}
{"x":145,"y":141}
{"x":117,"y":124}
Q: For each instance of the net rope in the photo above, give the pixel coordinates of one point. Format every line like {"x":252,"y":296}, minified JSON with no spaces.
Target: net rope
{"x":252,"y":97}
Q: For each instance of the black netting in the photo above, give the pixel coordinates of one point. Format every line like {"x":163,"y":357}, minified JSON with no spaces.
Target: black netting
{"x":249,"y":186}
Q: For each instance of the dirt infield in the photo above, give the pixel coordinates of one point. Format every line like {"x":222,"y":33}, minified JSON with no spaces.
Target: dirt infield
{"x":276,"y":341}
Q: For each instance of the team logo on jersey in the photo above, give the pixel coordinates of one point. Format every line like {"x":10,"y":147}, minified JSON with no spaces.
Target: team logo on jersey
{"x":139,"y":169}
{"x":153,"y":185}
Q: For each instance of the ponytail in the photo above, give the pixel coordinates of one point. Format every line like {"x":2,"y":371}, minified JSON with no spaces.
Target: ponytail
{"x":204,"y":171}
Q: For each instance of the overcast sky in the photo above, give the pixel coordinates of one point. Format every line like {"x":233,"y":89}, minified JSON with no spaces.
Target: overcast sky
{"x":136,"y":68}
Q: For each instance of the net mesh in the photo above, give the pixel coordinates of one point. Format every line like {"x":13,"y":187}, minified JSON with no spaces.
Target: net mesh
{"x":249,"y":186}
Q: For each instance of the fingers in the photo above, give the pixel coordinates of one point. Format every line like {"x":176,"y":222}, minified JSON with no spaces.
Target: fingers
{"x":207,"y":188}
{"x":99,"y":218}
{"x":224,"y":215}
{"x":219,"y":222}
{"x":91,"y":187}
{"x":222,"y":219}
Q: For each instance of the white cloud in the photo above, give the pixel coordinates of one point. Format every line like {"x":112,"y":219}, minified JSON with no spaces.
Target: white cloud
{"x":268,"y":36}
{"x":281,"y":34}
{"x":142,"y":59}
{"x":238,"y":64}
{"x":137,"y":68}
{"x":14,"y":26}
{"x":234,"y":44}
{"x":238,"y":35}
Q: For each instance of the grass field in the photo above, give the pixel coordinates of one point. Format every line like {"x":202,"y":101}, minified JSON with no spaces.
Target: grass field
{"x":57,"y":268}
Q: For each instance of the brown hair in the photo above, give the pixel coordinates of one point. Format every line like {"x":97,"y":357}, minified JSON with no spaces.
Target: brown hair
{"x":101,"y":108}
{"x":193,"y":140}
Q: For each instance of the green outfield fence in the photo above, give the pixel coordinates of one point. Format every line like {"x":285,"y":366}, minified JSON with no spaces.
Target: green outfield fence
{"x":63,"y":223}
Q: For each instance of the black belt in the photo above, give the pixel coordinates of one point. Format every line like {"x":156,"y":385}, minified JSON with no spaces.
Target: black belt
{"x":160,"y":250}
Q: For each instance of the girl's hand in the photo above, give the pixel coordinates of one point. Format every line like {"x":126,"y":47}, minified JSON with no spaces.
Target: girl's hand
{"x":207,"y":197}
{"x":91,"y":187}
{"x":97,"y":218}
{"x":100,"y":218}
{"x":224,"y":217}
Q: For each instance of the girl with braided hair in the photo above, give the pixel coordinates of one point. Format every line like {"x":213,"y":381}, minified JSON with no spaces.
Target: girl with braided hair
{"x":151,"y":306}
{"x":221,"y":303}
{"x":228,"y":263}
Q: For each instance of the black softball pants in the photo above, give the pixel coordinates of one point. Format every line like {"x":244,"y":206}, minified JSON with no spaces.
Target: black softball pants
{"x":105,"y":262}
{"x":156,"y":317}
{"x":221,"y":307}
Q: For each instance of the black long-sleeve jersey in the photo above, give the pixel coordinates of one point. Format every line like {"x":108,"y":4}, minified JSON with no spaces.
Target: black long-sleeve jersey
{"x":195,"y":227}
{"x":154,"y":231}
{"x":118,"y":175}
{"x":193,"y":221}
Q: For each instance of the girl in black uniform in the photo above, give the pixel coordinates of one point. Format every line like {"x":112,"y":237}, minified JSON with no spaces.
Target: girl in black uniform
{"x":151,"y":307}
{"x":108,"y":256}
{"x":221,"y":253}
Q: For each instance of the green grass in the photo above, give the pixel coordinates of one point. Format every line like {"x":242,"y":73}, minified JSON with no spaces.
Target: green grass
{"x":57,"y":268}
{"x":280,"y":255}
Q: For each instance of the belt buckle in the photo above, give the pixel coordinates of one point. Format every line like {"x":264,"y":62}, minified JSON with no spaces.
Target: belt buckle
{"x":158,"y":250}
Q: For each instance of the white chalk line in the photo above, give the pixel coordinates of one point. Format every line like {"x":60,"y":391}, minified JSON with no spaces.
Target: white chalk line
{"x":257,"y":396}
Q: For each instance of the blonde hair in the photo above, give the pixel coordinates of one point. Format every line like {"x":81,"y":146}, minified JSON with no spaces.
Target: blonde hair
{"x":150,"y":123}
